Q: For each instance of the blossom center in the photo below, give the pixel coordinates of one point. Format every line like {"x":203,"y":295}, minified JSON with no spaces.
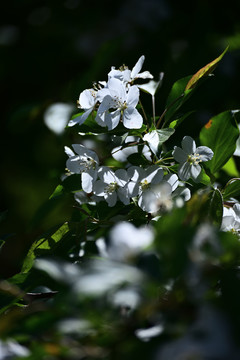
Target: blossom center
{"x":144,"y":185}
{"x":194,"y":159}
{"x":110,"y":188}
{"x":88,"y":164}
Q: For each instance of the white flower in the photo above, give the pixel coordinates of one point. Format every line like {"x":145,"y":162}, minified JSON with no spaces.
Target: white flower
{"x":85,"y":162}
{"x":123,"y":102}
{"x":126,"y":240}
{"x":87,"y":101}
{"x":144,"y":183}
{"x":112,"y":185}
{"x":189,"y":158}
{"x":57,"y":116}
{"x":128,"y":76}
{"x":231,"y":219}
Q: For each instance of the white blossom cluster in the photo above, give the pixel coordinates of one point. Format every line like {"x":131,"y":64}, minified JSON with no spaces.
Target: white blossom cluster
{"x":154,"y":188}
{"x":115,"y":99}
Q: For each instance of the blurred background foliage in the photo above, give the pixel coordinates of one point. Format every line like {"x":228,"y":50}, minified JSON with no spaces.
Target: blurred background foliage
{"x":52,"y":50}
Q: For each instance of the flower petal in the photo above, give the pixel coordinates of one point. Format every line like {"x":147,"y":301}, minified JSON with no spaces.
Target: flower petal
{"x":137,"y":67}
{"x":179,"y":155}
{"x":188,"y":145}
{"x":205,"y":153}
{"x":133,"y":96}
{"x":132,"y":119}
{"x":184,"y":171}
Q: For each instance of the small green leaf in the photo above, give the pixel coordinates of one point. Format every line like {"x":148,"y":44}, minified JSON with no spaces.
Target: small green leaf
{"x":232,"y":189}
{"x":204,"y":71}
{"x":220,"y":134}
{"x":46,"y":244}
{"x":57,"y":192}
{"x":216,"y":207}
{"x":164,"y":134}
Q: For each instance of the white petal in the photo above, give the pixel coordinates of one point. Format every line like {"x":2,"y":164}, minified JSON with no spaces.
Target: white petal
{"x":113,"y":119}
{"x":81,"y":118}
{"x":111,"y":199}
{"x":137,"y":67}
{"x":172,"y":179}
{"x":152,"y":139}
{"x":73,"y":165}
{"x":179,"y":155}
{"x":133,"y":96}
{"x":122,"y":177}
{"x":184,"y":171}
{"x":87,"y":182}
{"x":144,"y":75}
{"x":132,"y":119}
{"x":117,"y":89}
{"x":195,"y":171}
{"x":123,"y":195}
{"x":98,"y":188}
{"x":188,"y":145}
{"x":87,"y":98}
{"x":205,"y":153}
{"x":68,"y":151}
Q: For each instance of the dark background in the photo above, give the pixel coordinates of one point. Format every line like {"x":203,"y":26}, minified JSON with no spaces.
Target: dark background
{"x":50,"y":51}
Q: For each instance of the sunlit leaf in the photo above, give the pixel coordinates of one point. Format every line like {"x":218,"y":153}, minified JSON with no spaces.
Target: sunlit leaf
{"x":220,"y":134}
{"x":204,"y":71}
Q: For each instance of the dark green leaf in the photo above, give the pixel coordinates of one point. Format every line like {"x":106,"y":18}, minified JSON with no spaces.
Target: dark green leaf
{"x":46,"y":244}
{"x":220,"y":134}
{"x":232,"y":189}
{"x":178,"y":95}
{"x":216,"y":207}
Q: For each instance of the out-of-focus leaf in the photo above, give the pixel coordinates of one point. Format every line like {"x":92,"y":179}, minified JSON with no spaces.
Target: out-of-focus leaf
{"x":46,"y":245}
{"x":204,"y":71}
{"x":216,"y":207}
{"x":230,"y":168}
{"x":220,"y":134}
{"x":232,"y":189}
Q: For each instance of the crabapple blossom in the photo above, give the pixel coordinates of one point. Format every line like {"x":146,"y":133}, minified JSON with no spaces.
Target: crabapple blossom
{"x":189,"y":158}
{"x":123,"y":102}
{"x":85,"y":163}
{"x":128,"y":76}
{"x":112,"y":185}
{"x":87,"y":101}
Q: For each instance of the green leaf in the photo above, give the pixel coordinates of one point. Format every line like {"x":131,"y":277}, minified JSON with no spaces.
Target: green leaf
{"x":216,"y":207}
{"x":164,"y":134}
{"x":230,"y":168}
{"x":47,"y":245}
{"x":137,"y":159}
{"x":232,"y":189}
{"x":177,"y":96}
{"x":204,"y":71}
{"x":220,"y":134}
